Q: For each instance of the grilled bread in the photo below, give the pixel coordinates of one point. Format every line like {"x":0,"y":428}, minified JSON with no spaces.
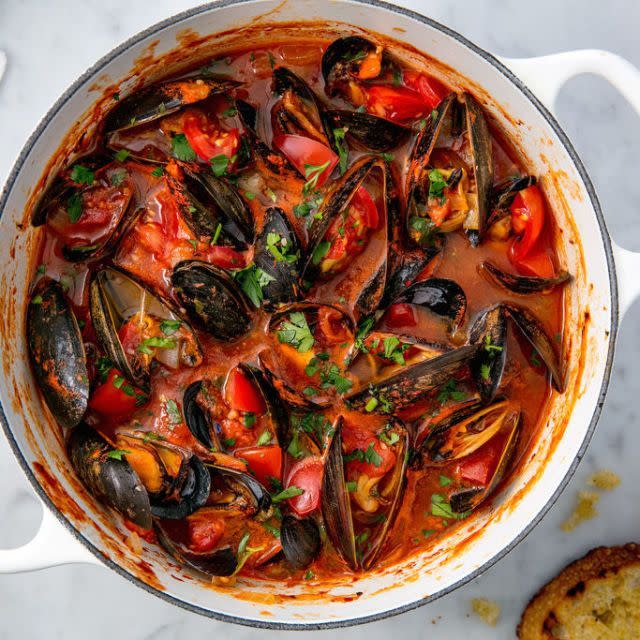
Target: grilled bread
{"x":595,"y":598}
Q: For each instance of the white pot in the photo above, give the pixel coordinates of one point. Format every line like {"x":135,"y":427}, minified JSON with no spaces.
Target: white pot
{"x":76,"y":528}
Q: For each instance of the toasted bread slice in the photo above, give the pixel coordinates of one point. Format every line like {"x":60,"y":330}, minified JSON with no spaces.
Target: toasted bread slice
{"x":594,"y":598}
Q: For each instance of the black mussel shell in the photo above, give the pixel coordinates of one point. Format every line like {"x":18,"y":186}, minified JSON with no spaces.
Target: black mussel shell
{"x":57,"y":353}
{"x":199,"y":422}
{"x":277,"y":252}
{"x":193,"y":493}
{"x":504,"y":193}
{"x":523,"y":285}
{"x":220,"y":562}
{"x":532,"y":329}
{"x":300,"y":540}
{"x":157,"y":101}
{"x":212,"y":299}
{"x":482,"y":152}
{"x":489,"y":332}
{"x":114,"y":298}
{"x":342,"y":60}
{"x":372,"y":132}
{"x":109,"y":479}
{"x":250,"y":496}
{"x":402,"y":389}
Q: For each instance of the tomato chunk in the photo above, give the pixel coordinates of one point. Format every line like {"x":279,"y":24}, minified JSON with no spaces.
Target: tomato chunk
{"x":226,"y":257}
{"x":207,"y":138}
{"x":306,"y":154}
{"x":306,"y":474}
{"x":242,"y":394}
{"x":116,"y":396}
{"x":264,"y":462}
{"x":204,"y":533}
{"x":479,"y":467}
{"x":430,"y":89}
{"x":400,"y":315}
{"x":398,"y":104}
{"x":369,"y":455}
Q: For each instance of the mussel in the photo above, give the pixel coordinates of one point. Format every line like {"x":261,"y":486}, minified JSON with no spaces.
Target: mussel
{"x":400,"y":390}
{"x":57,"y":352}
{"x":300,"y":539}
{"x":522,"y":285}
{"x":372,"y":132}
{"x":504,"y":193}
{"x":212,"y":299}
{"x":277,"y":252}
{"x":234,"y":490}
{"x":108,"y":476}
{"x":157,"y":101}
{"x":134,"y":327}
{"x":431,"y":187}
{"x":359,"y":508}
{"x":489,"y":332}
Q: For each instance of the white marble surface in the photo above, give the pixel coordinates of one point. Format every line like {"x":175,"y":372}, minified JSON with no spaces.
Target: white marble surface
{"x":49,"y":44}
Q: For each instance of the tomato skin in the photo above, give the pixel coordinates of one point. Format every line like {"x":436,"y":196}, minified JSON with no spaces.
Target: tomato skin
{"x":306,"y":474}
{"x":264,"y":462}
{"x":109,"y":400}
{"x":398,"y":104}
{"x":302,"y":151}
{"x":226,"y":257}
{"x":538,"y":263}
{"x":331,"y":326}
{"x":354,"y":438}
{"x":479,"y":467}
{"x":204,"y":534}
{"x":430,"y":89}
{"x":206,"y":137}
{"x":242,"y":394}
{"x":400,"y":315}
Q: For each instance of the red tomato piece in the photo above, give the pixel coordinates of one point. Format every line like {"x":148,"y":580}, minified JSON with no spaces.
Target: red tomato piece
{"x":538,"y":263}
{"x":398,"y":104}
{"x":306,"y":474}
{"x":226,"y":257}
{"x":400,"y":315}
{"x":479,"y":467}
{"x":363,"y":440}
{"x":527,"y":220}
{"x":116,"y":396}
{"x":204,"y":533}
{"x":264,"y":462}
{"x":304,"y":153}
{"x":430,"y":89}
{"x":242,"y":395}
{"x":206,"y":137}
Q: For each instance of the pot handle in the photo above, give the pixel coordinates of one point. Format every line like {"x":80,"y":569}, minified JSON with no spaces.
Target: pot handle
{"x":545,"y":76}
{"x":52,"y":545}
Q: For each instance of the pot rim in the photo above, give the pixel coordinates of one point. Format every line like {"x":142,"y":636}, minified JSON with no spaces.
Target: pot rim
{"x":172,"y":21}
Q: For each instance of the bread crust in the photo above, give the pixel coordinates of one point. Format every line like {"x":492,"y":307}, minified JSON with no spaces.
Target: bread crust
{"x":538,"y":617}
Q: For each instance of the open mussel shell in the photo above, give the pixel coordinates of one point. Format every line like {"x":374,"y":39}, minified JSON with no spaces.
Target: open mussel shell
{"x":489,"y":332}
{"x":300,"y":539}
{"x":504,"y":193}
{"x":534,"y":332}
{"x":522,"y":285}
{"x":234,"y":491}
{"x":199,"y":421}
{"x":277,"y":252}
{"x":219,"y":562}
{"x":116,"y":299}
{"x":466,"y":430}
{"x":57,"y":352}
{"x":499,"y":450}
{"x":400,"y":390}
{"x":342,"y":516}
{"x":212,"y":299}
{"x":212,"y":201}
{"x":157,"y":101}
{"x":482,"y":153}
{"x":341,"y":61}
{"x":372,"y":132}
{"x":110,"y":479}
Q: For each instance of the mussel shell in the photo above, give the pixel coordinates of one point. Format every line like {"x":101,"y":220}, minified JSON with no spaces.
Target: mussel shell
{"x":532,"y":329}
{"x":441,"y":296}
{"x":157,"y":101}
{"x":482,"y":153}
{"x":57,"y":353}
{"x":504,"y":193}
{"x":490,"y":333}
{"x":200,"y":424}
{"x":212,"y":299}
{"x":401,"y":389}
{"x":372,"y":132}
{"x":523,"y":285}
{"x":284,"y":287}
{"x":300,"y":541}
{"x":109,"y":479}
{"x":114,"y":297}
{"x":341,"y":59}
{"x":214,"y":201}
{"x":253,"y":497}
{"x":193,"y":493}
{"x":220,"y":562}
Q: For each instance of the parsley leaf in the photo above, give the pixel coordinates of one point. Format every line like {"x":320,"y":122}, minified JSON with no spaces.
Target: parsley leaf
{"x":343,"y":149}
{"x":219,"y":165}
{"x":450,"y":392}
{"x":117,"y":454}
{"x":251,"y":280}
{"x":265,"y":438}
{"x":122,"y":155}
{"x":158,"y":172}
{"x":285,"y":494}
{"x":279,"y":247}
{"x":295,"y":331}
{"x":445,"y":481}
{"x":320,"y":252}
{"x":156,"y":342}
{"x":181,"y":148}
{"x":82,"y":175}
{"x":74,"y":207}
{"x":169,"y":327}
{"x":437,"y":184}
{"x":312,"y":173}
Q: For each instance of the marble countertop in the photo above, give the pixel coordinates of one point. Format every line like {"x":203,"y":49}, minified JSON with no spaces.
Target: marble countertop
{"x":48,"y":44}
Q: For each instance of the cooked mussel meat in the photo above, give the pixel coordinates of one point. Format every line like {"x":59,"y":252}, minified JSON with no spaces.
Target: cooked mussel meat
{"x":135,"y":327}
{"x":57,"y":352}
{"x":212,"y":299}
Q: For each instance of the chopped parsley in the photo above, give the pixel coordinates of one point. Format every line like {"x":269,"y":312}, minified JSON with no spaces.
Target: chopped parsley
{"x":370,"y":456}
{"x":445,"y":481}
{"x":251,"y":280}
{"x":314,"y":424}
{"x":309,"y":575}
{"x":441,"y":508}
{"x":424,"y":228}
{"x":156,"y":342}
{"x":352,"y":486}
{"x":388,"y":436}
{"x":181,"y":148}
{"x":274,"y":531}
{"x":437,"y":184}
{"x":330,"y":374}
{"x":42,"y":268}
{"x":216,"y":233}
{"x":286,"y":494}
{"x":158,"y":172}
{"x":249,"y":419}
{"x":36,"y":299}
{"x":427,"y":533}
{"x":82,"y":175}
{"x":169,"y":327}
{"x":219,"y":165}
{"x":341,"y":146}
{"x":122,"y":155}
{"x":295,"y":331}
{"x":485,"y":371}
{"x":450,"y":391}
{"x":173,"y":413}
{"x":264,"y":439}
{"x":279,"y":248}
{"x":535,"y":359}
{"x":74,"y":207}
{"x":118,"y":176}
{"x":117,"y":454}
{"x":249,"y":195}
{"x":320,"y":252}
{"x":230,"y":112}
{"x":312,"y":173}
{"x":294,"y":448}
{"x":229,"y":442}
